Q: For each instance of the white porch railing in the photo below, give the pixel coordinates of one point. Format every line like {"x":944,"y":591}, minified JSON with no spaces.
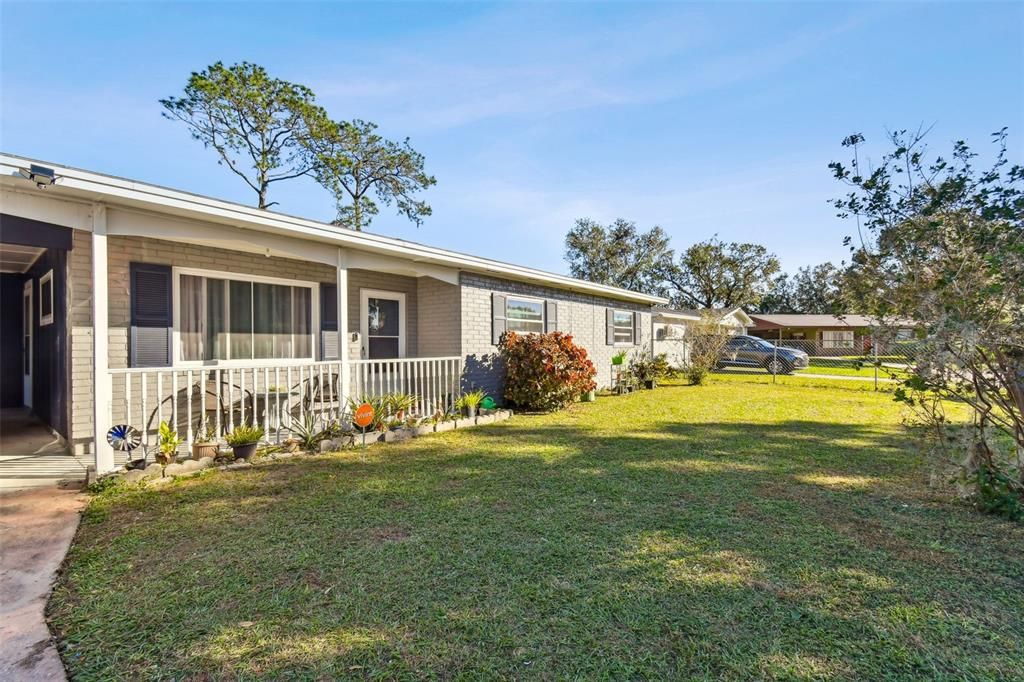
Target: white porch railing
{"x":434,"y":382}
{"x":273,"y":396}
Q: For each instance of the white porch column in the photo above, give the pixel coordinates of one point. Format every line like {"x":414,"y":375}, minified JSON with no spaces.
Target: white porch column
{"x":102,"y":392}
{"x":346,"y":373}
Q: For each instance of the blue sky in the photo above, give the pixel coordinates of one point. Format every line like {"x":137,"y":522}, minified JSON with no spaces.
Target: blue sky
{"x":704,"y":119}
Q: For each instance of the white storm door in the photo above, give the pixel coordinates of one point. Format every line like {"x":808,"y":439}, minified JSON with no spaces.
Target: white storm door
{"x":382,"y":324}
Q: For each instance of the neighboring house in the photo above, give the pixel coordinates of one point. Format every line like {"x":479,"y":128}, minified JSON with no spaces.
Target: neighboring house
{"x":828,"y":334}
{"x":671,"y":326}
{"x":128,"y":303}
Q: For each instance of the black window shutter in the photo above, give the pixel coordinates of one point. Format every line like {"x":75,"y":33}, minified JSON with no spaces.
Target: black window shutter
{"x":498,"y":323}
{"x":609,"y":326}
{"x":152,"y":315}
{"x":551,"y":316}
{"x":636,"y":328}
{"x":328,"y":321}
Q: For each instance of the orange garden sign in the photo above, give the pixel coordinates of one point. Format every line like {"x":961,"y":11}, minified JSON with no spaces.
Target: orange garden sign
{"x":363,"y":416}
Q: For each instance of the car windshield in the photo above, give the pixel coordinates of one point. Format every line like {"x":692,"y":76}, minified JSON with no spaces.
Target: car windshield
{"x":762,"y":343}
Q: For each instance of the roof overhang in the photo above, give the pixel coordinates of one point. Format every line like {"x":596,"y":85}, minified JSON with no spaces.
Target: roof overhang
{"x":87,"y":187}
{"x":674,"y":315}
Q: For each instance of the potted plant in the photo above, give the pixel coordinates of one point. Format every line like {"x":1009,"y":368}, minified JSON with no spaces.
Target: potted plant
{"x":589,"y":397}
{"x":399,"y":405}
{"x":469,"y":402}
{"x":167,"y":446}
{"x":619,"y":358}
{"x":244,"y":439}
{"x":204,"y":443}
{"x":646,"y":369}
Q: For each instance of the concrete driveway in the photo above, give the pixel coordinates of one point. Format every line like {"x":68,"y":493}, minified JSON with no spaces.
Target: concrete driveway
{"x":36,"y":528}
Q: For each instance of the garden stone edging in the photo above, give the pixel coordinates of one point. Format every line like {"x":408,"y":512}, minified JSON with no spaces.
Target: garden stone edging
{"x":158,"y":475}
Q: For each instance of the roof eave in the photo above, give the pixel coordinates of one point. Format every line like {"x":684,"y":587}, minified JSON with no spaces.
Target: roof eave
{"x":109,"y":188}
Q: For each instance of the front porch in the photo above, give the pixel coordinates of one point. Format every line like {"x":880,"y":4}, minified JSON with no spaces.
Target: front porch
{"x":206,"y":337}
{"x":209,"y":326}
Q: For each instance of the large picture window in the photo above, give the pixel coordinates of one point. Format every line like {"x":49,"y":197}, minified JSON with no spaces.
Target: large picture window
{"x":622,"y":327}
{"x":837,"y":339}
{"x":524,"y":315}
{"x":229,"y":318}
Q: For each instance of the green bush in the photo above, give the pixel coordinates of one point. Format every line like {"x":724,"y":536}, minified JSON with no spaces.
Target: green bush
{"x":545,"y":371}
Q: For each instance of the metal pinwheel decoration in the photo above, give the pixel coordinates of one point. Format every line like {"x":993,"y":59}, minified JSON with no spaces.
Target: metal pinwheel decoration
{"x":124,"y":438}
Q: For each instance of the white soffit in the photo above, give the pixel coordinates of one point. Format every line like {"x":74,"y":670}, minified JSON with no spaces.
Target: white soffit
{"x":18,"y":259}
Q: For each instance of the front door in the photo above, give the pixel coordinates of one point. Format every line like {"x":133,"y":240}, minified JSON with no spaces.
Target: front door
{"x":26,"y":344}
{"x":382,"y":315}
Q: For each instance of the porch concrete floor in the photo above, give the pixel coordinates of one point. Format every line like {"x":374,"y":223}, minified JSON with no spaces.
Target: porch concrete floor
{"x":32,"y":457}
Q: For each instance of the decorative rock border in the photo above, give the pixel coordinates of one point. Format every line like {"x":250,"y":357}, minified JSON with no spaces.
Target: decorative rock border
{"x":155,"y":474}
{"x":398,"y":435}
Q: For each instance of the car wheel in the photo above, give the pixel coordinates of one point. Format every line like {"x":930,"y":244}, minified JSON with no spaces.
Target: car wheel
{"x":777,"y":366}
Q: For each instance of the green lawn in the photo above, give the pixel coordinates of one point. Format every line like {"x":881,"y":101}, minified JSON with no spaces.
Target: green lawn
{"x":738,"y":530}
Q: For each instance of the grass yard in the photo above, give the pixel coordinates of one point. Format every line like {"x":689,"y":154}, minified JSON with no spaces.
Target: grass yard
{"x":738,"y":530}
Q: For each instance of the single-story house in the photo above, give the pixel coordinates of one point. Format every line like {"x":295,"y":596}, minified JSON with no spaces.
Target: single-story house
{"x":827,"y":334}
{"x":671,"y":326}
{"x":130,"y":303}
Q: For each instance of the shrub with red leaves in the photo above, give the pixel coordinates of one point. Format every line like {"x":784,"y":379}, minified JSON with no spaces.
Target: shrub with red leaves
{"x":545,"y":371}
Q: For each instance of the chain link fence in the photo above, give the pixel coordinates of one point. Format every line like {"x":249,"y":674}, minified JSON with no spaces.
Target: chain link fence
{"x":867,"y":358}
{"x":864,"y":358}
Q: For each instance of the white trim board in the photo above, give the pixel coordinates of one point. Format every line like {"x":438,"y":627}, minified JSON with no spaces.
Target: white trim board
{"x":45,"y":320}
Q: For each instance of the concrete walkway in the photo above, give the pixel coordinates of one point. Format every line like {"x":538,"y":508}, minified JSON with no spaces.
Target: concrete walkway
{"x":36,"y":528}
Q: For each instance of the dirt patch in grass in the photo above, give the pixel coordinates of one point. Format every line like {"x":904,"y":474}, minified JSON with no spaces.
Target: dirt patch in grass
{"x":385,"y":534}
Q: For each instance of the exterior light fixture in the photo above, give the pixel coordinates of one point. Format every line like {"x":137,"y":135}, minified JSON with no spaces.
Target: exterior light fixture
{"x":41,"y":175}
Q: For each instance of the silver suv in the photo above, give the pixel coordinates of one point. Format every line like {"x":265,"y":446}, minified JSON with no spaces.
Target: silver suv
{"x":750,"y":351}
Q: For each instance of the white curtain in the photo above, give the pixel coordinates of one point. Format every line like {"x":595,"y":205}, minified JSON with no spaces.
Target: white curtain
{"x":191,"y":317}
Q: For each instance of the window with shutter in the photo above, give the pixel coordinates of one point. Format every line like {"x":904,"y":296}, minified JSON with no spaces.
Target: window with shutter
{"x":151,"y":315}
{"x":524,"y":315}
{"x":224,"y":316}
{"x":622,"y":326}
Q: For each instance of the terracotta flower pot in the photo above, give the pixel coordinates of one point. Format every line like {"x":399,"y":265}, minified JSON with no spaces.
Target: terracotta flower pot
{"x":200,"y":450}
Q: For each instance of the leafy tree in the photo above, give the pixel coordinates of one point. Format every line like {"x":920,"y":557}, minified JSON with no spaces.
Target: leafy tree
{"x":942,"y":242}
{"x":356,"y":164}
{"x":713,"y":274}
{"x":779,"y":297}
{"x":818,"y":289}
{"x":619,"y":255}
{"x":261,"y":127}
